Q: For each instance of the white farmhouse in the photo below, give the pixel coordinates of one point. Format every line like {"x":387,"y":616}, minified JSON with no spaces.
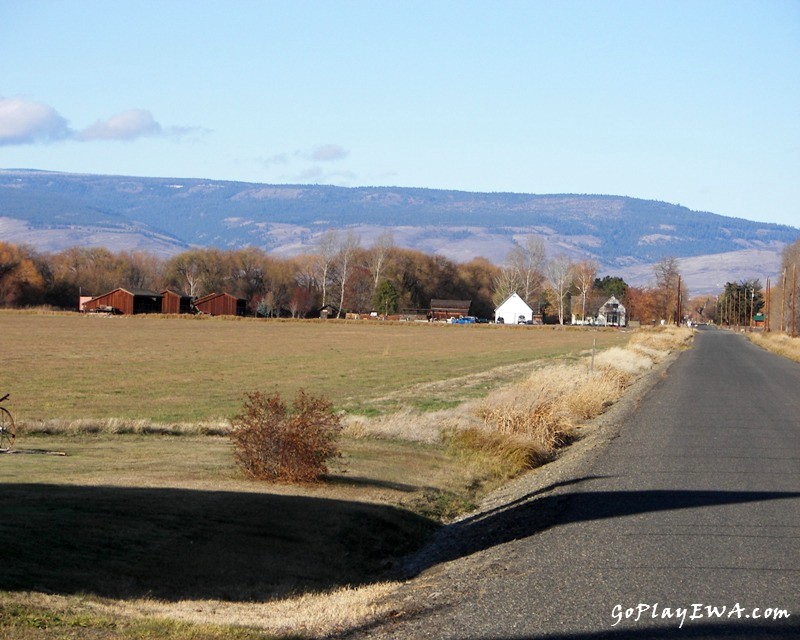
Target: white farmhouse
{"x":513,"y":310}
{"x":612,"y":313}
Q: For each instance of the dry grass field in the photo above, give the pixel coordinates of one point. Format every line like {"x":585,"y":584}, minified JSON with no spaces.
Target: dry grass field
{"x":70,"y":366}
{"x":143,"y":533}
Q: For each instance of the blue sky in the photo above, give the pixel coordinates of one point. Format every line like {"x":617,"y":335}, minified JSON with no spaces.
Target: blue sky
{"x":693,"y":102}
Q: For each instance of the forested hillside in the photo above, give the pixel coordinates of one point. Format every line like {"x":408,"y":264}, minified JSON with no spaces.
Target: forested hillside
{"x":52,"y":211}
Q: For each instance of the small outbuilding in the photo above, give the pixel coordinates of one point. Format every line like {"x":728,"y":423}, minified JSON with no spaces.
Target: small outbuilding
{"x":221,"y":304}
{"x":176,"y":302}
{"x":126,"y":302}
{"x":513,"y":310}
{"x":612,"y":313}
{"x":446,"y":309}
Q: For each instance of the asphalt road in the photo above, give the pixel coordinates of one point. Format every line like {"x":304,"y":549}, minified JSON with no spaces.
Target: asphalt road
{"x":685,"y":525}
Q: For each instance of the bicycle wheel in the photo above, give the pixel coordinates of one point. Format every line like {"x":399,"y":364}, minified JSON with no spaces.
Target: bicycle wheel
{"x":8,"y":430}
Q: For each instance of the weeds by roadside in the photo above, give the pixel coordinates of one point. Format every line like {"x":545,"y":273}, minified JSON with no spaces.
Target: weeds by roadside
{"x":524,"y":426}
{"x":779,"y":343}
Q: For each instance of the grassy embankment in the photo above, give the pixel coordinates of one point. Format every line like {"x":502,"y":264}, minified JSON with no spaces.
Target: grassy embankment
{"x":162,"y":532}
{"x":779,"y":343}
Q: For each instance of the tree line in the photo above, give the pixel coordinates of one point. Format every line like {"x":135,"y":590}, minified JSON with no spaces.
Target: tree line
{"x":342,"y":274}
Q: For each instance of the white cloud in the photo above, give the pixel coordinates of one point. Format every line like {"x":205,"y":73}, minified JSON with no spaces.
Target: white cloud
{"x":280,"y":158}
{"x":129,"y":125}
{"x":310,"y":174}
{"x":328,"y":153}
{"x":26,"y":122}
{"x":324,"y":153}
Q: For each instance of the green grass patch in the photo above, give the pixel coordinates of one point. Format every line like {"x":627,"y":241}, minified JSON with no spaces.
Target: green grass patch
{"x":434,"y":404}
{"x":29,"y":622}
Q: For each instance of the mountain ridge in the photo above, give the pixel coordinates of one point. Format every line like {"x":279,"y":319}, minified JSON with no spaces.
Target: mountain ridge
{"x":53,"y":210}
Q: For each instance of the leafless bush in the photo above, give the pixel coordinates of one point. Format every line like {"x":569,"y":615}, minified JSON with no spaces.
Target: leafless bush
{"x":273,"y":443}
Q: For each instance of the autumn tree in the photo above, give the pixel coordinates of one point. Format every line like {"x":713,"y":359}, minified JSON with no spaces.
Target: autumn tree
{"x":406,"y":271}
{"x":20,"y":279}
{"x":642,"y":303}
{"x":476,"y":279}
{"x":139,"y":270}
{"x":90,"y":271}
{"x":668,"y":281}
{"x":304,"y":290}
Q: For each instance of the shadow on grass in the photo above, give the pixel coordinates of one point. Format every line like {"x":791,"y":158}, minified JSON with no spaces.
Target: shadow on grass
{"x":360,"y":481}
{"x":174,"y":544}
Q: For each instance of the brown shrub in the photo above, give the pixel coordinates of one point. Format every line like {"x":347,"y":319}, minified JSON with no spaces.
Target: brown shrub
{"x":273,"y":443}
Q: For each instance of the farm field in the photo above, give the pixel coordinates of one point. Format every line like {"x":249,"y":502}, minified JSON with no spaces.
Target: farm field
{"x":146,"y":535}
{"x":164,"y":370}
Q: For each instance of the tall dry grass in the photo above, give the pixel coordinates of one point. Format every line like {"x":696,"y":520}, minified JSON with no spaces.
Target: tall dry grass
{"x":779,"y":343}
{"x":524,"y":425}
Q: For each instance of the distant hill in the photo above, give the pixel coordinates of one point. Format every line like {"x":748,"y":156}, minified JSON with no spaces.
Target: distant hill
{"x":52,"y":211}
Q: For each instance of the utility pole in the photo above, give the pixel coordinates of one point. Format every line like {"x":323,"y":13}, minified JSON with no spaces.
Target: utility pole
{"x":766,"y":315}
{"x":783,"y":299}
{"x":728,"y":309}
{"x":794,"y":292}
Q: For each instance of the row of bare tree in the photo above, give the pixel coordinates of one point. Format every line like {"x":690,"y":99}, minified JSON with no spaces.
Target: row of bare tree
{"x":346,"y":276}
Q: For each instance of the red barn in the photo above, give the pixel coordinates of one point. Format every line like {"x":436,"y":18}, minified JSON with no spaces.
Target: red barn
{"x":446,"y":309}
{"x":176,"y":303}
{"x":221,"y":304}
{"x":126,"y":302}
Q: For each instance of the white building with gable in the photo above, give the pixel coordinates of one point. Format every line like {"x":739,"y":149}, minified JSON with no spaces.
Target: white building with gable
{"x":513,"y":310}
{"x":612,"y":313}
